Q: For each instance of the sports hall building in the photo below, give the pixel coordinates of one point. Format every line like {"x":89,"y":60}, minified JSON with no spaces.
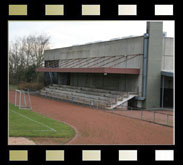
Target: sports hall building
{"x":134,"y":71}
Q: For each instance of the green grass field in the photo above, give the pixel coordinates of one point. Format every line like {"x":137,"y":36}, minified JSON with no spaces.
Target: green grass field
{"x":25,"y":123}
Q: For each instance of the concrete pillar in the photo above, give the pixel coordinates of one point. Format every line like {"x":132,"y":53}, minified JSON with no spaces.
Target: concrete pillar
{"x":155,"y":31}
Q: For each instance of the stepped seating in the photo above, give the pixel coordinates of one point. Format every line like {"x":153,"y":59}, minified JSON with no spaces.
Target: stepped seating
{"x":90,"y":96}
{"x":78,"y":99}
{"x":90,"y":89}
{"x":84,"y":91}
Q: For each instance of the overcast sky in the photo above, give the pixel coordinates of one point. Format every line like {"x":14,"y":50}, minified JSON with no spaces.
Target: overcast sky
{"x":67,"y":33}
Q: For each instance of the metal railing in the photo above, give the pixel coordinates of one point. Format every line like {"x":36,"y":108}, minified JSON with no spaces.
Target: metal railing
{"x":158,"y":117}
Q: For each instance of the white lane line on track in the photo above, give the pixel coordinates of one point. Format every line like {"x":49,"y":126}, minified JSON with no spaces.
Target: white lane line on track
{"x":51,"y":129}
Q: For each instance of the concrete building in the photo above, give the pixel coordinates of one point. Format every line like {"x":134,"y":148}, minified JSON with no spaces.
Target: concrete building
{"x":142,"y":66}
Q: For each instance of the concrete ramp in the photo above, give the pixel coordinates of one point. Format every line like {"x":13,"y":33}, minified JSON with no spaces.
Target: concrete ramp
{"x":124,"y":100}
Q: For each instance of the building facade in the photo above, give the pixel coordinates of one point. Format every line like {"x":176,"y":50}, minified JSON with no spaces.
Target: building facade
{"x":143,"y":65}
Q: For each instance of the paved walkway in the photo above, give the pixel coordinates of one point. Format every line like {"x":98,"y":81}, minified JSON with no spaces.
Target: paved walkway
{"x":19,"y":141}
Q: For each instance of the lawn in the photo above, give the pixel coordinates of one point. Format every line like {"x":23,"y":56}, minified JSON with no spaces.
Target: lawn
{"x":25,"y":123}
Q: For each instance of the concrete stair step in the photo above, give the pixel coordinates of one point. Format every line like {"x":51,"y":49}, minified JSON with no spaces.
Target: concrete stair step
{"x":77,"y":99}
{"x":79,"y":94}
{"x":83,"y":91}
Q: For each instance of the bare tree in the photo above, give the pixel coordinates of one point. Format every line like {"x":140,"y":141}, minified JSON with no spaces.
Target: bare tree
{"x":25,"y":53}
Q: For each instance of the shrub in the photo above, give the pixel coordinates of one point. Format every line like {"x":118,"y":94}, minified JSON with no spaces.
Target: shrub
{"x":32,"y":86}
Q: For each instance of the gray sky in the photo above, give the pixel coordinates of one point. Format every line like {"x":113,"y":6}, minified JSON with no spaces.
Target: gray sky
{"x":67,"y":33}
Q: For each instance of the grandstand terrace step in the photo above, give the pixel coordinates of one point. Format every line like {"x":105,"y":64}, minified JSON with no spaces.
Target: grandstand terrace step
{"x":87,"y":92}
{"x":90,"y":96}
{"x":78,"y":99}
{"x":57,"y":92}
{"x":91,"y":89}
{"x":74,"y":94}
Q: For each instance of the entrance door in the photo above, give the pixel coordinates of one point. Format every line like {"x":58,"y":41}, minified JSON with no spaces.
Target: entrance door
{"x":168,"y":98}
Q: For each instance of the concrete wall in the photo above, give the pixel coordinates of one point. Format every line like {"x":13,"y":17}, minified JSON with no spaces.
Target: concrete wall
{"x":109,"y":81}
{"x":128,"y":46}
{"x":168,"y":55}
{"x":131,"y":51}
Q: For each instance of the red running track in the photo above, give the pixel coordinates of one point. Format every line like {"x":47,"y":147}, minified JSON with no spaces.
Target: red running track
{"x":98,"y":127}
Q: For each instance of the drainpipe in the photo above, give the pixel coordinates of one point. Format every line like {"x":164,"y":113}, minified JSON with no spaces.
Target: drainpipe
{"x":146,"y":37}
